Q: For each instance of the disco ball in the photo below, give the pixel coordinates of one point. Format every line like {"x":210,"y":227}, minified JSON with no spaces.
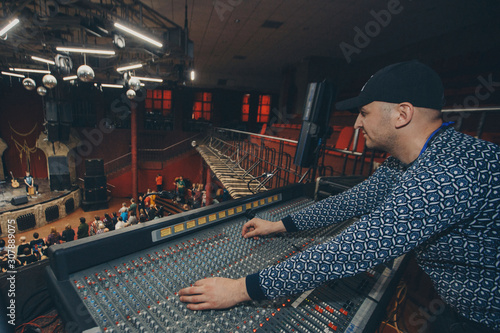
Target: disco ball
{"x":49,"y":81}
{"x":41,"y":91}
{"x":85,"y":73}
{"x":29,"y":83}
{"x":134,"y":83}
{"x":130,"y":94}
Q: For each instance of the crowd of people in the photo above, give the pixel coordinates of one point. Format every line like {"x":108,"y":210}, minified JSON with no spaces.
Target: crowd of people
{"x":187,"y":195}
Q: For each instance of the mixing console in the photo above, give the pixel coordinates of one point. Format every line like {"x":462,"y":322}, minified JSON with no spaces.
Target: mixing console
{"x":138,"y":292}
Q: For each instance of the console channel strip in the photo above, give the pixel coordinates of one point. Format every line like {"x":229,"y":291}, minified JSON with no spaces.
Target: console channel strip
{"x":138,"y":292}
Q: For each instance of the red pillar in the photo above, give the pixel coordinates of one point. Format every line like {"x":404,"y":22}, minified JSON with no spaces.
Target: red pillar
{"x":133,"y":138}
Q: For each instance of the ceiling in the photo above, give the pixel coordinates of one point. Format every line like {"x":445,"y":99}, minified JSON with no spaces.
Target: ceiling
{"x":246,"y":44}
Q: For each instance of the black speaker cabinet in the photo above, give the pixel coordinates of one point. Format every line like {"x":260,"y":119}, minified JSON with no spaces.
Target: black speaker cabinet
{"x":60,"y":182}
{"x":19,"y":200}
{"x":94,"y":167}
{"x":58,"y":165}
{"x":92,"y":182}
{"x":317,"y":110}
{"x":53,"y":132}
{"x":95,"y":195}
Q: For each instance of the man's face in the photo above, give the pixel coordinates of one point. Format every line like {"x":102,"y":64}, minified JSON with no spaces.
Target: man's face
{"x":374,"y":120}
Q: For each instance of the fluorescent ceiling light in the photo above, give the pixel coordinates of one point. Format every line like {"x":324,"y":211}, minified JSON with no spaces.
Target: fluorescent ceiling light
{"x":126,"y":68}
{"x":109,"y":85}
{"x":47,"y":61}
{"x":29,"y":70}
{"x":136,"y":34}
{"x":9,"y":26}
{"x":13,"y":74}
{"x":192,"y":75}
{"x":152,"y":79}
{"x":72,"y":77}
{"x":82,"y":50}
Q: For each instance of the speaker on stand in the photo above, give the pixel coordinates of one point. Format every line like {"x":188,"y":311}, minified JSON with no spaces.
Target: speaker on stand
{"x":315,"y":124}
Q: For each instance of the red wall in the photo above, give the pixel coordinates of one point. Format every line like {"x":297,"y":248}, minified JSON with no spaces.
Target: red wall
{"x":188,"y":165}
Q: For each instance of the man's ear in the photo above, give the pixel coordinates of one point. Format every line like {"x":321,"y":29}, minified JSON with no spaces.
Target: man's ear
{"x":405,"y":112}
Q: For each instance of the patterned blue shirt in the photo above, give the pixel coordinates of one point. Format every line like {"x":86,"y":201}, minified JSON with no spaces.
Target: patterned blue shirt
{"x":445,"y":206}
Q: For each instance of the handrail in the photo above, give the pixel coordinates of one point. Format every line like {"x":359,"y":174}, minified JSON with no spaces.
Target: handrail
{"x":258,"y":135}
{"x":171,"y":146}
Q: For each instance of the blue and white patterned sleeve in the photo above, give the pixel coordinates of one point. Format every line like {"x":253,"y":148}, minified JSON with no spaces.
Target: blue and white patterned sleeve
{"x":428,"y":199}
{"x":356,"y":201}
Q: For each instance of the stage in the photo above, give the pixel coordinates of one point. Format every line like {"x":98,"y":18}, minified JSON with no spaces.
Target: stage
{"x":36,"y":210}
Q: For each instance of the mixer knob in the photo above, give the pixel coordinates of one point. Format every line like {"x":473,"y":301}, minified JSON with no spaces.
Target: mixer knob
{"x":127,"y":330}
{"x":142,"y":329}
{"x":156,"y":329}
{"x":154,"y":309}
{"x":148,"y":319}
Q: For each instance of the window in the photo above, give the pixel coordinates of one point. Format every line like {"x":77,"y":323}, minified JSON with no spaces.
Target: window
{"x":264,"y":108}
{"x":158,"y":107}
{"x":245,"y":109}
{"x":202,"y":107}
{"x":159,"y":101}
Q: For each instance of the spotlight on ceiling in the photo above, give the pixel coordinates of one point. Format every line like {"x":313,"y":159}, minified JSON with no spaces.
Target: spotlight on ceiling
{"x":119,"y":41}
{"x":47,"y":61}
{"x":9,"y":26}
{"x":84,"y":50}
{"x":13,"y":74}
{"x":137,"y":34}
{"x":126,"y":68}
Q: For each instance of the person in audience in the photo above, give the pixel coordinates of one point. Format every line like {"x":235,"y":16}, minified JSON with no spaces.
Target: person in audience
{"x":114,"y":219}
{"x":133,"y":206}
{"x":124,"y":208}
{"x":54,"y":237}
{"x":143,"y":218}
{"x":140,"y":204}
{"x":27,"y":257}
{"x":68,"y":233}
{"x":152,"y":212}
{"x":94,"y":226}
{"x":180,"y":187}
{"x":100,"y":228}
{"x":197,"y":195}
{"x":133,"y":218}
{"x":121,"y":224}
{"x":124,"y":216}
{"x":23,"y":245}
{"x":38,"y":245}
{"x":83,"y":229}
{"x":108,"y":222}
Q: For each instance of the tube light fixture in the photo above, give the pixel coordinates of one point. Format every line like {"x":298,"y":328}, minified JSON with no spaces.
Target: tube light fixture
{"x":151,"y":79}
{"x":109,"y":85}
{"x":9,"y":26}
{"x":136,"y":34}
{"x":192,"y":75}
{"x":29,"y":70}
{"x":47,"y":61}
{"x":126,"y":68}
{"x":13,"y":74}
{"x":72,"y":77}
{"x":83,"y":50}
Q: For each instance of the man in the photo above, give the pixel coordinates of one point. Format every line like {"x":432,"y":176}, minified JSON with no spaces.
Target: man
{"x":83,"y":229}
{"x":438,"y":194}
{"x":159,"y":183}
{"x":30,"y":183}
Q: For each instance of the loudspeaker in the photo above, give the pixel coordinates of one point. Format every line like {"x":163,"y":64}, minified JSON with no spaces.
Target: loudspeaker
{"x":317,"y":110}
{"x":58,"y":165}
{"x":64,"y":130}
{"x":53,"y":132}
{"x":95,"y":195}
{"x":19,"y":200}
{"x":51,"y":111}
{"x":94,"y":167}
{"x":92,"y":182}
{"x":60,"y":182}
{"x":65,"y":113}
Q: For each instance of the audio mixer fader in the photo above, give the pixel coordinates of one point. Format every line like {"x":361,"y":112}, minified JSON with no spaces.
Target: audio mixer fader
{"x":128,"y":281}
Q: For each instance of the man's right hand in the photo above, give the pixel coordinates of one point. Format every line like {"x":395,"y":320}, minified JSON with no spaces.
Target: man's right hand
{"x":259,"y":227}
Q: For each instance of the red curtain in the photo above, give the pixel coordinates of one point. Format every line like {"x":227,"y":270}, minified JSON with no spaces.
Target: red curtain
{"x":21,"y":121}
